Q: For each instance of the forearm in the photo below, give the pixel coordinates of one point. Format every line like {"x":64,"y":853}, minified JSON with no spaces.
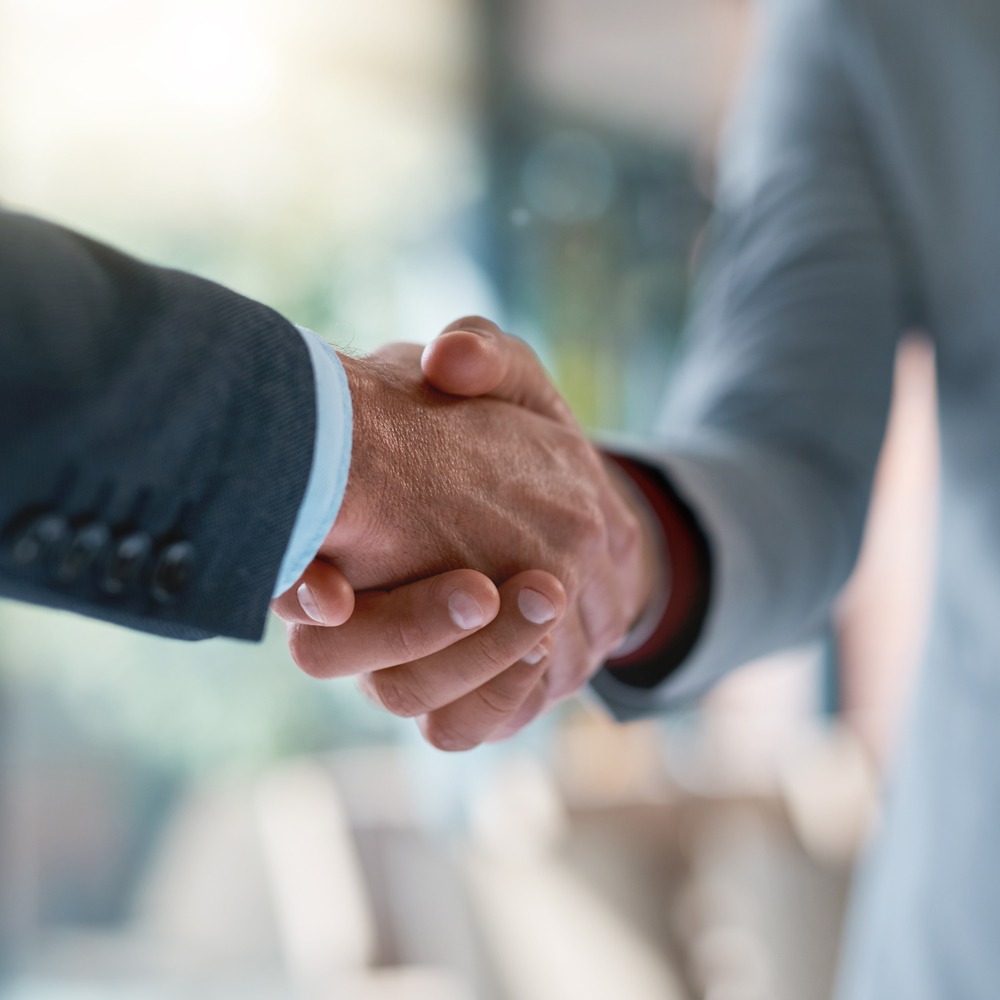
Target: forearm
{"x":145,"y":406}
{"x":776,"y":417}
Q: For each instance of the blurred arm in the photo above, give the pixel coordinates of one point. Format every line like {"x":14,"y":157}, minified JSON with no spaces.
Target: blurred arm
{"x":773,"y":429}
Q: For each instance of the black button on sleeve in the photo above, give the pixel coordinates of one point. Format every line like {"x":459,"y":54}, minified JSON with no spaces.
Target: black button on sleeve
{"x":87,"y":544}
{"x":126,"y":563}
{"x":174,"y":571}
{"x":40,"y":539}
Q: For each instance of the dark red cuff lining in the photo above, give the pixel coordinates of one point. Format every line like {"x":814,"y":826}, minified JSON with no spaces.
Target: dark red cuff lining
{"x":688,"y":556}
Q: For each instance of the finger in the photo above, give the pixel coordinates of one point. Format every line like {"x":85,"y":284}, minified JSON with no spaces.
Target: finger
{"x":397,"y":626}
{"x":572,"y":661}
{"x":468,"y":358}
{"x":532,"y":706}
{"x":530,"y":604}
{"x":511,"y":685}
{"x":321,"y":596}
{"x":475,"y":718}
{"x":507,"y":703}
{"x":599,"y":604}
{"x":474,"y":357}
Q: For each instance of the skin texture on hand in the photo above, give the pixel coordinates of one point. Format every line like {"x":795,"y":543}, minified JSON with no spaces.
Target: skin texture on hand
{"x":504,"y":484}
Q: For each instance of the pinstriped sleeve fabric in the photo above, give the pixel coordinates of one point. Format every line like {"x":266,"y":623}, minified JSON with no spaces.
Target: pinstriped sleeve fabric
{"x":772,"y":429}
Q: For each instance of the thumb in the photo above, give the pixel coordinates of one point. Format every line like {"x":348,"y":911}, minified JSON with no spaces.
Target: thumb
{"x":474,"y":357}
{"x":321,"y":596}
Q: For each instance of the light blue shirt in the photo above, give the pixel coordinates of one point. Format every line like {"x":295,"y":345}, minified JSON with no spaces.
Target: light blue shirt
{"x":331,"y":462}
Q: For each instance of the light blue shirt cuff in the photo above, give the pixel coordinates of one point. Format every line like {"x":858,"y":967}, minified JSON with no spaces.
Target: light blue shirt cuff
{"x":330,"y":465}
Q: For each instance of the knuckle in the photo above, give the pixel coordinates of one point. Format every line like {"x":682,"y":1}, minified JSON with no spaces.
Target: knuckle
{"x":405,"y":638}
{"x":501,"y":700}
{"x":508,"y":693}
{"x":630,"y":536}
{"x":491,"y":659}
{"x":604,"y":629}
{"x":588,"y":524}
{"x":443,"y":734}
{"x":566,"y":682}
{"x":596,"y":527}
{"x":399,"y":695}
{"x":585,"y":456}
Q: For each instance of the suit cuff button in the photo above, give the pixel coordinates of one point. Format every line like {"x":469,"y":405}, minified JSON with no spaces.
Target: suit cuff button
{"x":84,"y":547}
{"x":36,"y":541}
{"x":126,"y":563}
{"x":173,"y":572}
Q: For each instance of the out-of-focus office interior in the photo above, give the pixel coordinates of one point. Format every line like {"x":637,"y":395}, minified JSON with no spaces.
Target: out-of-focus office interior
{"x":188,"y":821}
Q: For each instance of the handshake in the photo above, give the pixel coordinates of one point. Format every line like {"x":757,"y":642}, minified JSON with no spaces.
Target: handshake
{"x":486,"y":559}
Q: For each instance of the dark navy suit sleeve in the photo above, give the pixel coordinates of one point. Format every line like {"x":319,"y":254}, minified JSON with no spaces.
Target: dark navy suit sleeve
{"x":156,"y":436}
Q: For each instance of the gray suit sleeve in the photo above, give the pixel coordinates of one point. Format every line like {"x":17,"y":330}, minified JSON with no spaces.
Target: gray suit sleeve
{"x":156,"y":435}
{"x":773,"y":428}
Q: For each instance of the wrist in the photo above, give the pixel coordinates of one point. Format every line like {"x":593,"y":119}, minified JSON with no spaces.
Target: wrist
{"x":686,"y":552}
{"x":358,"y":508}
{"x":647,"y":573}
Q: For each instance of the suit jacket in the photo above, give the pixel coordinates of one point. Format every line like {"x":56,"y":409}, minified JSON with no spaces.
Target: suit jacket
{"x":860,"y":196}
{"x":156,"y":436}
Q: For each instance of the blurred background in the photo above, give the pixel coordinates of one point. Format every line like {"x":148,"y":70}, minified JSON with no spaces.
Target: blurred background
{"x":183,"y":821}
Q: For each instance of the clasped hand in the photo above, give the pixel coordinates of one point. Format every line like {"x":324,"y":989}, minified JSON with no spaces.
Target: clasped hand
{"x":497,"y":561}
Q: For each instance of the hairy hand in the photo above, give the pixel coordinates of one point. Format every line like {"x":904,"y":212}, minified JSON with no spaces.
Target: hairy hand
{"x":503,"y":484}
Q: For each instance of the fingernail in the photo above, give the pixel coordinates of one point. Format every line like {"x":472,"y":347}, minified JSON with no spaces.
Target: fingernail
{"x":535,"y":655}
{"x":536,"y":607}
{"x":309,"y":604}
{"x":463,"y":329}
{"x":465,"y":611}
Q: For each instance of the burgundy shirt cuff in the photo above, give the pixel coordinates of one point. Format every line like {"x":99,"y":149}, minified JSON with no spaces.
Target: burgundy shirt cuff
{"x":686,"y":553}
